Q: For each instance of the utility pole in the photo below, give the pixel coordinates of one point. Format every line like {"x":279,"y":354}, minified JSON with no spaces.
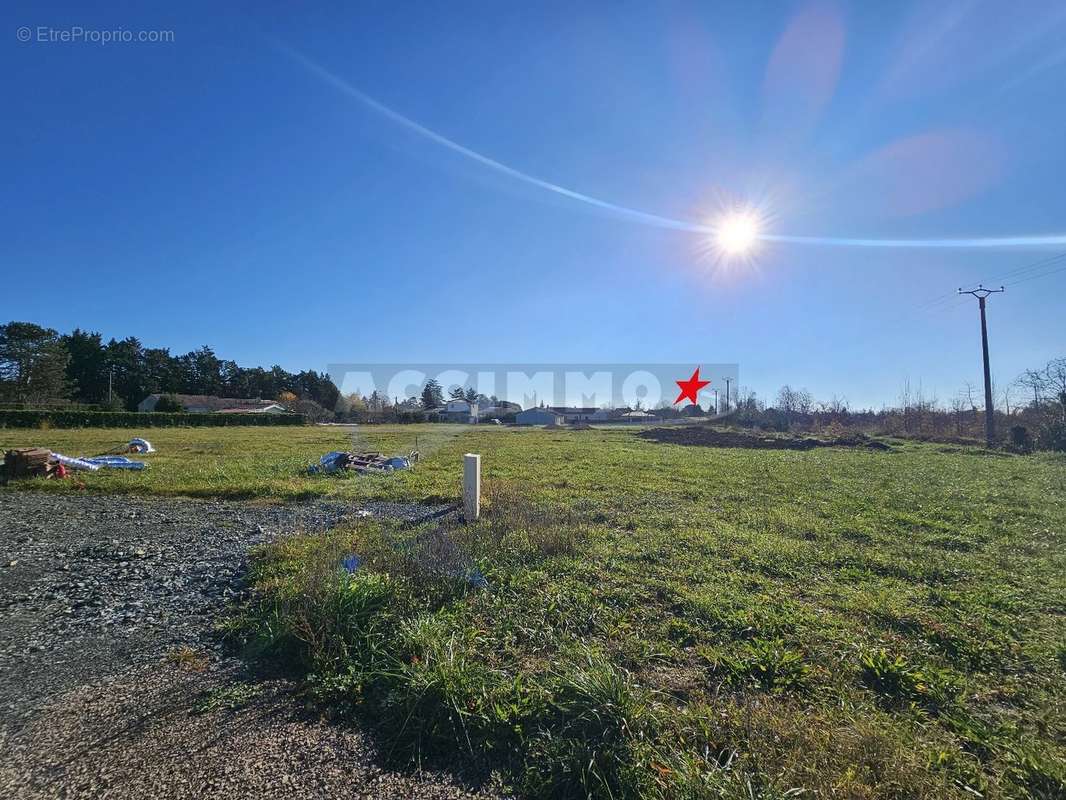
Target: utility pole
{"x":981,"y":293}
{"x":715,"y":402}
{"x":727,"y":394}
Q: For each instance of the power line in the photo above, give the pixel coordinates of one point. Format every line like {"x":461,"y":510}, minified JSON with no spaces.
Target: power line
{"x":1027,"y":267}
{"x":1039,"y":275}
{"x":942,"y":301}
{"x":1018,"y":272}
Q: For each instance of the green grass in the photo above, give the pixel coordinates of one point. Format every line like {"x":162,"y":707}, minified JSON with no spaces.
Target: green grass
{"x":668,"y":621}
{"x":246,"y":463}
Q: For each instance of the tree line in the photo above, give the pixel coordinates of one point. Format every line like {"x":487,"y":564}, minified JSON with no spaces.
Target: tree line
{"x":1030,"y":412}
{"x":41,"y":366}
{"x":379,"y":407}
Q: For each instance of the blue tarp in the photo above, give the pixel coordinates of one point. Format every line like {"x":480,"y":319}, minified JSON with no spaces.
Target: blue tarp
{"x":98,"y":462}
{"x":115,"y":462}
{"x":330,"y":462}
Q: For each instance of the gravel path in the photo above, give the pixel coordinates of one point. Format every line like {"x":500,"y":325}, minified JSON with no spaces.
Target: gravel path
{"x":97,"y":594}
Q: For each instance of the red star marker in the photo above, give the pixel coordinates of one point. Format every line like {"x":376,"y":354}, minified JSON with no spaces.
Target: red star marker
{"x":690,"y":388}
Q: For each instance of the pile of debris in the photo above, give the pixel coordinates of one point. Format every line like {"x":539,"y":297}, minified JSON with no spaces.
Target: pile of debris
{"x":99,"y":462}
{"x":40,"y":462}
{"x":339,"y":460}
{"x":28,"y":462}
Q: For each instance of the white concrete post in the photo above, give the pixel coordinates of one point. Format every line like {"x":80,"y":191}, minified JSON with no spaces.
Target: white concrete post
{"x":471,"y":486}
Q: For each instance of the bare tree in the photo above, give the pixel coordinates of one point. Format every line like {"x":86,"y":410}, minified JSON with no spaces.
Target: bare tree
{"x":1033,"y":380}
{"x":786,"y":402}
{"x":1006,"y":398}
{"x":969,"y":394}
{"x":958,"y":406}
{"x":1055,"y":382}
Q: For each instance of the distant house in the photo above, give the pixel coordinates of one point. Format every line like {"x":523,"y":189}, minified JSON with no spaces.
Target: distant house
{"x":497,"y":410}
{"x":539,"y":416}
{"x":455,"y":411}
{"x":572,"y":414}
{"x":272,"y":408}
{"x":208,"y":404}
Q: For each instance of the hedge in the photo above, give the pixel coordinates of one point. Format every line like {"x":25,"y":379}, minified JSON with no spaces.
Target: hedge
{"x":138,"y":419}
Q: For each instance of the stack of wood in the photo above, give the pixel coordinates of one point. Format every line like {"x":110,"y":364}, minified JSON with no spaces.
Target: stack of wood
{"x":28,"y":462}
{"x":374,"y":462}
{"x":365,"y":462}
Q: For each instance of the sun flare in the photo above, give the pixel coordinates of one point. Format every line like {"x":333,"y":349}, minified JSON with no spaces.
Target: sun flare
{"x":737,"y":233}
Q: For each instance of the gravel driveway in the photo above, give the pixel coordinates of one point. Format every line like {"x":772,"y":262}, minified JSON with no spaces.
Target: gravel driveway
{"x":98,"y":594}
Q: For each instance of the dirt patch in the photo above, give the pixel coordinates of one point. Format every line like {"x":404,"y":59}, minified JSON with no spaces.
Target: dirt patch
{"x":90,"y":584}
{"x":703,"y":436}
{"x":113,"y":681}
{"x":164,"y":731}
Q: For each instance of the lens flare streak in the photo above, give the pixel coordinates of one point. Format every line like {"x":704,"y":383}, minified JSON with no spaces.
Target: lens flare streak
{"x":644,"y":217}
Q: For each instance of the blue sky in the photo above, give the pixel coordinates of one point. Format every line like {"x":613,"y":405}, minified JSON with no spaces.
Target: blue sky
{"x":226,"y":188}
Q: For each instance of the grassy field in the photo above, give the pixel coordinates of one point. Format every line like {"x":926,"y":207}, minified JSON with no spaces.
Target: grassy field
{"x":662,"y":620}
{"x":244,"y":463}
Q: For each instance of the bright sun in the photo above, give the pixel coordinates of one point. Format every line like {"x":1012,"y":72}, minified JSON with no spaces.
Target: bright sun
{"x":737,"y":233}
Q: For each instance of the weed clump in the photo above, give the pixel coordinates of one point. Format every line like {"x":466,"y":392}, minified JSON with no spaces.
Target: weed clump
{"x":902,"y":684}
{"x":766,"y":664}
{"x":595,"y":737}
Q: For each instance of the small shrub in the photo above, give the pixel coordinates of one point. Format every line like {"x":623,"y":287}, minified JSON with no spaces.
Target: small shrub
{"x":890,"y":676}
{"x":590,"y":744}
{"x":682,"y":632}
{"x":436,"y":701}
{"x":1019,"y":438}
{"x":900,"y":683}
{"x":1052,"y":436}
{"x":326,"y":620}
{"x":767,"y":664}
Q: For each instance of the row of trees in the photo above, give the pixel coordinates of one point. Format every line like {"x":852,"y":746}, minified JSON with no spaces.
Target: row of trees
{"x":39,"y":365}
{"x":378,"y":407}
{"x":1030,"y":411}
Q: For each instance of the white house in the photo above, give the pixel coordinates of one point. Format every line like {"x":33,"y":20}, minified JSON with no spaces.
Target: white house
{"x":270,"y":408}
{"x":456,"y":411}
{"x":205,"y":403}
